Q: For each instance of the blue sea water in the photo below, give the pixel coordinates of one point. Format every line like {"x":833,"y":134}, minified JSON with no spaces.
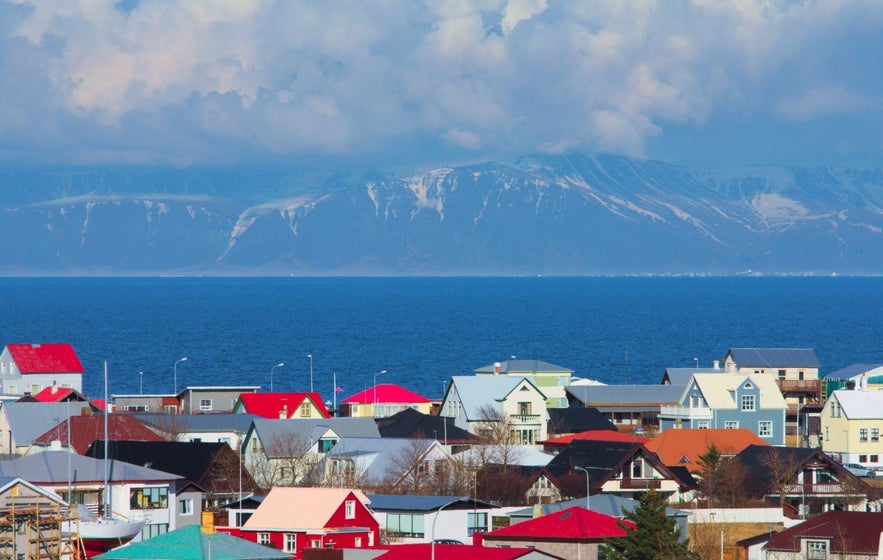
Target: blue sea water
{"x":425,"y":330}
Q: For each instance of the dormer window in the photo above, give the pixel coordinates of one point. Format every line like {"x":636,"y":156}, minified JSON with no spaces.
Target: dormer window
{"x":816,"y":550}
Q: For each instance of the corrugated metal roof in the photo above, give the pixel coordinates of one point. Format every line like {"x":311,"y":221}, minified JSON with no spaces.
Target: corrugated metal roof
{"x":574,"y":524}
{"x":774,"y":357}
{"x":30,"y":420}
{"x":288,"y":508}
{"x":386,"y":393}
{"x":406,"y":502}
{"x":220,"y":422}
{"x":860,"y":405}
{"x":649,"y":394}
{"x":510,"y":367}
{"x":379,"y":455}
{"x":309,"y":430}
{"x":479,"y":391}
{"x":191,"y":543}
{"x":855,"y":370}
{"x":51,"y":467}
{"x":45,"y":358}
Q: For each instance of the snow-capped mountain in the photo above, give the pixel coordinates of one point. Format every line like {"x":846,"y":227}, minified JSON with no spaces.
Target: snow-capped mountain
{"x":574,"y":214}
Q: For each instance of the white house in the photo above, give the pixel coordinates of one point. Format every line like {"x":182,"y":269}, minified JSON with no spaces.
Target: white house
{"x":30,"y":368}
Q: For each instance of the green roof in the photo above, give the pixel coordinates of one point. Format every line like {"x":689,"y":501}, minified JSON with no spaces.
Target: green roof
{"x":190,"y":543}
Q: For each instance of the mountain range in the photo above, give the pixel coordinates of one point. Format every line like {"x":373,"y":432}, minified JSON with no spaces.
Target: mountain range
{"x":574,"y":214}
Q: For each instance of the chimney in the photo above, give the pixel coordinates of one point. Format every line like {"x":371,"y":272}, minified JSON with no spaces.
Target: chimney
{"x":283,"y":414}
{"x":55,"y":445}
{"x":54,"y":388}
{"x":208,"y":523}
{"x":717,"y":364}
{"x":497,"y":367}
{"x":86,"y":411}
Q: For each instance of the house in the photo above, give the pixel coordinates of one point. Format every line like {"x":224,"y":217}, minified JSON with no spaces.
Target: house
{"x":834,"y":534}
{"x":195,"y":542}
{"x":410,"y":423}
{"x":282,"y":405}
{"x":23,"y":422}
{"x":291,"y":519}
{"x":214,"y":467}
{"x":479,"y":403}
{"x":162,"y":500}
{"x":795,"y":370}
{"x":212,"y":399}
{"x":84,"y":430}
{"x":285,"y":451}
{"x":750,"y":401}
{"x":623,"y":469}
{"x":408,"y":518}
{"x":157,"y":403}
{"x":382,"y":400}
{"x":575,"y":419}
{"x":684,"y":447}
{"x":631,"y":408}
{"x":554,"y":445}
{"x":548,"y":378}
{"x":409,"y":465}
{"x":29,"y":518}
{"x":572,"y":533}
{"x":851,"y":422}
{"x":803,"y":481}
{"x":683,"y":375}
{"x":54,"y":393}
{"x":30,"y":368}
{"x":224,"y":428}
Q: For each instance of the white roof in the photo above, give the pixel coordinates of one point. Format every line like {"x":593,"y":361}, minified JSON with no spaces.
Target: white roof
{"x":719,"y":390}
{"x":857,"y":405}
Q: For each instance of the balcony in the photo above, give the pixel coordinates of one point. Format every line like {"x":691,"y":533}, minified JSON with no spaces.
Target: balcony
{"x":830,"y":489}
{"x":639,"y":483}
{"x":685,"y":412}
{"x":800,"y":386}
{"x":525,"y":418}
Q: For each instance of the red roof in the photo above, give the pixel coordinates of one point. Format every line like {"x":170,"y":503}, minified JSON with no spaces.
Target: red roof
{"x":571,"y":524}
{"x":58,"y":394}
{"x":269,"y":405}
{"x":85,"y":430}
{"x":455,"y":552}
{"x":595,"y":435}
{"x":386,"y":393}
{"x":45,"y":358}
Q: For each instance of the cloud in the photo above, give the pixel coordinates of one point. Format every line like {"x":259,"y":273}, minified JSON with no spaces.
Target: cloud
{"x":226,"y":81}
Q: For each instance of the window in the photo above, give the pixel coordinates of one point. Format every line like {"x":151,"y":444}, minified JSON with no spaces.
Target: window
{"x":291,"y":542}
{"x":357,"y":542}
{"x":171,"y":409}
{"x":36,"y":389}
{"x":405,"y":525}
{"x":731,"y":424}
{"x":800,"y":376}
{"x":816,"y":550}
{"x":264,"y":539}
{"x":637,"y":468}
{"x":137,"y":408}
{"x":306,"y":410}
{"x":835,"y":409}
{"x":748,"y":403}
{"x":875,"y":458}
{"x":476,"y":522}
{"x":205,"y":404}
{"x":862,"y":458}
{"x":316,"y":543}
{"x":781,"y":374}
{"x":149,"y":498}
{"x":875,"y":434}
{"x":325,"y":445}
{"x":765,"y":428}
{"x":185,"y":507}
{"x":153,"y":530}
{"x":863,"y":435}
{"x":350,"y":509}
{"x":702,"y":424}
{"x":524,"y":408}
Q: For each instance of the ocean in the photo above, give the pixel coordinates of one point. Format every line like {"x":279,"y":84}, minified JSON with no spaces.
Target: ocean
{"x":422,"y":331}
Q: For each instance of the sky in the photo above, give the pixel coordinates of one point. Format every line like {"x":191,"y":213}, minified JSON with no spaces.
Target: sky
{"x":404,"y":83}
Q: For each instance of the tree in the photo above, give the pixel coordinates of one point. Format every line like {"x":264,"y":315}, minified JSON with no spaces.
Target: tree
{"x":654,"y":536}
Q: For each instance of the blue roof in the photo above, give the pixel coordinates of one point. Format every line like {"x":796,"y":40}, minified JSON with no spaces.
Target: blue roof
{"x":851,"y":371}
{"x":395,"y":502}
{"x":774,"y":357}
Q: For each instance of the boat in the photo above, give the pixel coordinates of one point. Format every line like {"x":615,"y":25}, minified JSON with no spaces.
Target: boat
{"x":95,"y":535}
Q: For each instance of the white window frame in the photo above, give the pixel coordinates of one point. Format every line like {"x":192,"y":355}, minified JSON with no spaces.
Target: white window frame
{"x":765,"y":428}
{"x":350,"y":509}
{"x":731,"y":424}
{"x":205,"y":404}
{"x":263,"y":538}
{"x":702,"y":424}
{"x":185,"y":506}
{"x":748,"y":403}
{"x":290,"y":543}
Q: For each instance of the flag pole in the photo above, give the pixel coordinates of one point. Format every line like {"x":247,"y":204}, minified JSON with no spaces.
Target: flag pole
{"x":334,"y":390}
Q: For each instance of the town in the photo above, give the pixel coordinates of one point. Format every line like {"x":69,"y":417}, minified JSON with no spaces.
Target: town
{"x":761,"y":456}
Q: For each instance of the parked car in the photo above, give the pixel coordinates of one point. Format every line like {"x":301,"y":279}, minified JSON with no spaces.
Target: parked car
{"x":860,"y":470}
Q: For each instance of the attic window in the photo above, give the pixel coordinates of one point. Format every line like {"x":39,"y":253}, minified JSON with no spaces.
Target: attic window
{"x":748,"y":385}
{"x":524,"y":388}
{"x":684,"y":459}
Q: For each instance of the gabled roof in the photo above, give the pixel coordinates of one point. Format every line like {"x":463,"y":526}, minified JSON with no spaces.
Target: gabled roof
{"x":774,"y":357}
{"x":84,"y":430}
{"x":595,"y":435}
{"x":379,"y":455}
{"x":295,"y":508}
{"x":409,"y":502}
{"x":54,"y":393}
{"x":684,"y":446}
{"x":271,"y":405}
{"x":760,"y":461}
{"x":525,"y":367}
{"x":220,"y":422}
{"x":719,"y":390}
{"x":460,"y":552}
{"x":578,"y":419}
{"x":478,"y":391}
{"x":650,"y":396}
{"x":860,"y":405}
{"x":521,"y":455}
{"x":413,"y":423}
{"x":854,"y":370}
{"x":307,"y":431}
{"x":602,"y":503}
{"x":30,"y":420}
{"x":682,"y":375}
{"x":575,"y":524}
{"x":848,"y":532}
{"x":386,"y":393}
{"x":45,"y":358}
{"x":603,"y":459}
{"x":51,"y":467}
{"x":192,"y":543}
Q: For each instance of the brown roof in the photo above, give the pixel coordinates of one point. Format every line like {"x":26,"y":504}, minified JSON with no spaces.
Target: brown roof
{"x":683,"y":447}
{"x":86,"y":429}
{"x":849,"y":532}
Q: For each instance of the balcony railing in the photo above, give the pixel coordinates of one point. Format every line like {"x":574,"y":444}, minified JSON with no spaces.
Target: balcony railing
{"x":639,"y":483}
{"x":525,"y":418}
{"x":800,"y":385}
{"x":684,"y":412}
{"x":834,"y":488}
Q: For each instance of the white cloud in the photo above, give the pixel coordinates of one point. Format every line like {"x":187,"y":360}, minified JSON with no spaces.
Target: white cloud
{"x":206,"y":81}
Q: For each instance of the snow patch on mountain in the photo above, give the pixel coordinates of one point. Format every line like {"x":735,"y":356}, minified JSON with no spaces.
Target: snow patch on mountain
{"x":775,"y":207}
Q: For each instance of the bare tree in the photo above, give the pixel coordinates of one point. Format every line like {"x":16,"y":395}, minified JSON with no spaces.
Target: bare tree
{"x":410,"y":472}
{"x":283,"y":460}
{"x":782,"y":468}
{"x":496,"y":430}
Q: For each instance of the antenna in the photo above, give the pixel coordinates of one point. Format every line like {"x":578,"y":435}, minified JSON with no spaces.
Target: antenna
{"x":626,"y":365}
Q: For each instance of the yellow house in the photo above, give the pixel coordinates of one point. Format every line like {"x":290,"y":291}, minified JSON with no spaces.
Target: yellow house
{"x":851,"y":423}
{"x":382,"y":400}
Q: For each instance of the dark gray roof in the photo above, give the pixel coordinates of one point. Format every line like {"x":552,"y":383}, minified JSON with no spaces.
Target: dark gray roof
{"x":522,"y":367}
{"x":611,"y":394}
{"x":51,"y":467}
{"x":774,"y":357}
{"x":683,"y":375}
{"x":30,"y":420}
{"x":395,"y":502}
{"x":222,"y":422}
{"x":851,"y":371}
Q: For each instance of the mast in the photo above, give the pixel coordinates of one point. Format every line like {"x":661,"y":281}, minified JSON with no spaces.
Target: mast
{"x":106,"y":485}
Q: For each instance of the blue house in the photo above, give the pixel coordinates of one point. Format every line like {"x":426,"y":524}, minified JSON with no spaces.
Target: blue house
{"x":711,"y":400}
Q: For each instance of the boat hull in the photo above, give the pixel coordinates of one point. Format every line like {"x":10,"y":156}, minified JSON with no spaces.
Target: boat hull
{"x":98,"y":536}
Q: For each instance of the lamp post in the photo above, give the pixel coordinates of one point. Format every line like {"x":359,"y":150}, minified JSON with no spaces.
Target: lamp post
{"x":184,"y":359}
{"x":141,"y":374}
{"x":310,"y":356}
{"x":374,"y":403}
{"x":280,"y":364}
{"x":588,"y":491}
{"x":435,"y":518}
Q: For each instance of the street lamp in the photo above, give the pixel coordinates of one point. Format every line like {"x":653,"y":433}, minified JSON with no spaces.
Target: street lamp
{"x":435,"y":518}
{"x":310,"y":356}
{"x":184,"y":359}
{"x":280,"y":364}
{"x":141,"y":374}
{"x":588,"y":491}
{"x":374,"y":404}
